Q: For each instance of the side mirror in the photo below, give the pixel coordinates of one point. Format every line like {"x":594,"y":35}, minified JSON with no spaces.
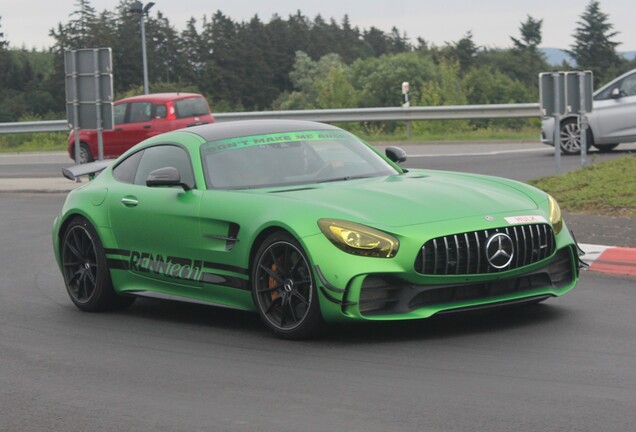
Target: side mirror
{"x":395,"y":154}
{"x":168,"y":176}
{"x":616,"y":93}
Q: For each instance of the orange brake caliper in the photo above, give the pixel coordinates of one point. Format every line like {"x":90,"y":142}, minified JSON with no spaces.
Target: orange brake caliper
{"x":272,"y":283}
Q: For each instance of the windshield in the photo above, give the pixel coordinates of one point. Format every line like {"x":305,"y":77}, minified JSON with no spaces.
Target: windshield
{"x":290,"y":158}
{"x":191,"y":107}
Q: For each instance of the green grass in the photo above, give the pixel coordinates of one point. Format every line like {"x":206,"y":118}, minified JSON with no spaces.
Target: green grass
{"x":56,"y":141}
{"x":377,"y":134}
{"x":606,"y":188}
{"x":530,"y":134}
{"x":28,"y":142}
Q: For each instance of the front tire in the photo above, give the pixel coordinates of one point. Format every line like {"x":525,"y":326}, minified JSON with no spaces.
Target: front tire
{"x":284,"y":289}
{"x":85,"y":269}
{"x":570,"y":137}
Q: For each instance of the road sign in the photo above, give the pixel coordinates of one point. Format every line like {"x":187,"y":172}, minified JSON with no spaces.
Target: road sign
{"x":551,"y":85}
{"x":578,"y":92}
{"x":565,"y":93}
{"x":89,"y":88}
{"x":89,"y":93}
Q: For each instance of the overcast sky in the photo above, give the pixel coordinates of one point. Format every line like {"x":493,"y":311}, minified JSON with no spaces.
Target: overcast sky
{"x":492,"y":22}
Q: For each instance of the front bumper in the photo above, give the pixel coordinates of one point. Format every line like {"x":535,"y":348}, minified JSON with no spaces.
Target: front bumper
{"x":547,"y":131}
{"x":387,"y":296}
{"x":362,"y":288}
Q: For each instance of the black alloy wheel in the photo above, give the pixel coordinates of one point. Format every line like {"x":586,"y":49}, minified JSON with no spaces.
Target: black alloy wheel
{"x":85,"y":270}
{"x":283,"y":288}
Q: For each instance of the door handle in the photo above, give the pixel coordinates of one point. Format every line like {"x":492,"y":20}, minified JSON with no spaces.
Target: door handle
{"x":119,"y":130}
{"x":147,"y":127}
{"x":129,"y":201}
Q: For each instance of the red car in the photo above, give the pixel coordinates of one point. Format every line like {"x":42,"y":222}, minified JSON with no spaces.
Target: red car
{"x":140,"y":117}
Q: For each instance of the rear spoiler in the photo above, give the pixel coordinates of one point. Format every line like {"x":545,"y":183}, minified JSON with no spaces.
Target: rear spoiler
{"x":91,"y":169}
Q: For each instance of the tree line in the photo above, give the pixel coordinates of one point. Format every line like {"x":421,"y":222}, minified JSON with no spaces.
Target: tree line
{"x":295,"y":62}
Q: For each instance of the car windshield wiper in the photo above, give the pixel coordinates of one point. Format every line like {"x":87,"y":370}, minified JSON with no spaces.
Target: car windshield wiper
{"x":345,"y":178}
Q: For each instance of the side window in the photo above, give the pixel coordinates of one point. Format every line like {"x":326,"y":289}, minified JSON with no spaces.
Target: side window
{"x":628,"y":86}
{"x":125,"y":170}
{"x":165,"y":156}
{"x":119,"y":111}
{"x":140,"y":112}
{"x":160,"y":111}
{"x":605,"y":94}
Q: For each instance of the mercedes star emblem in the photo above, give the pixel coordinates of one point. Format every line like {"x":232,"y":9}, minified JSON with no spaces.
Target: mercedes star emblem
{"x":500,"y":250}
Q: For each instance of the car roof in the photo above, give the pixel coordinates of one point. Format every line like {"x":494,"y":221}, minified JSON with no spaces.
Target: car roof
{"x":160,"y":97}
{"x":233,"y":129}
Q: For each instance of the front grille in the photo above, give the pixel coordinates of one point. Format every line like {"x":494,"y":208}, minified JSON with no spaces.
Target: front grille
{"x":465,"y":253}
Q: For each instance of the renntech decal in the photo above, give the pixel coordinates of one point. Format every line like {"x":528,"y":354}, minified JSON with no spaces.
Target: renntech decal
{"x":270,"y":139}
{"x":176,"y":268}
{"x":172,"y":267}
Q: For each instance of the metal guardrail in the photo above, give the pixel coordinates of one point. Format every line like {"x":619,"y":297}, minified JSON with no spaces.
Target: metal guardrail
{"x":458,"y":112}
{"x":34,"y":126}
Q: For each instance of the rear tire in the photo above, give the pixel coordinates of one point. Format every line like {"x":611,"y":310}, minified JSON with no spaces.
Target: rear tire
{"x":85,"y":269}
{"x":86,"y":156}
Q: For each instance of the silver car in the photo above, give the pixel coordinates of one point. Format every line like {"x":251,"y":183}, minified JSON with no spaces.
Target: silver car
{"x":612,"y":120}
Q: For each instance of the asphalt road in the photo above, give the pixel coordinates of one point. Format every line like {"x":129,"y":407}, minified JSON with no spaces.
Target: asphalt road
{"x":568,"y":364}
{"x":518,"y":161}
{"x":33,"y":165}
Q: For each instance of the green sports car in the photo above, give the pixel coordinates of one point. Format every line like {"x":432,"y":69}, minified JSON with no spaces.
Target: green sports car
{"x":304,"y":223}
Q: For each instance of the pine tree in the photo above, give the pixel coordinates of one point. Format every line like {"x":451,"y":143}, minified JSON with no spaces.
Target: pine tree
{"x":195,"y":50}
{"x":399,"y":42}
{"x":527,"y":61}
{"x":377,"y":41}
{"x":322,"y":37}
{"x":594,"y":47}
{"x":223,"y":66}
{"x":257,"y":73}
{"x":127,"y":50}
{"x":78,"y":32}
{"x":530,"y":35}
{"x":82,"y":23}
{"x":286,"y":37}
{"x":465,"y":50}
{"x":5,"y":67}
{"x":350,"y":46}
{"x":166,"y":53}
{"x":3,"y":43}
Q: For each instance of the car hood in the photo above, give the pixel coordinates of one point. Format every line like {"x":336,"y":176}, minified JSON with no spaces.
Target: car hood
{"x":411,"y":199}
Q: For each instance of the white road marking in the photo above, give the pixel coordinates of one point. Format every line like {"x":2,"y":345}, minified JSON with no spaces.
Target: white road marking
{"x":592,"y":252}
{"x":490,"y":153}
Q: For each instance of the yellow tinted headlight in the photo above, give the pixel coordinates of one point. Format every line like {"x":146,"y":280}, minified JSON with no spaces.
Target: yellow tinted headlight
{"x":358,"y":239}
{"x":556,"y":219}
